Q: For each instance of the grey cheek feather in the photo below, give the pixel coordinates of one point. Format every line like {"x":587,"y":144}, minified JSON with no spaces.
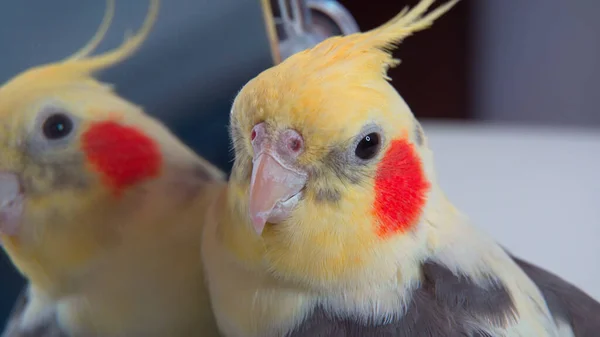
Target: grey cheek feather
{"x":68,"y":175}
{"x":566,"y":302}
{"x":443,"y":306}
{"x":46,"y":328}
{"x":342,"y":160}
{"x":344,"y":169}
{"x":61,"y":175}
{"x":330,"y":195}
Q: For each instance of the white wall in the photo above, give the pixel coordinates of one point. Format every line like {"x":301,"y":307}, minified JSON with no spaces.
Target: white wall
{"x":533,"y":189}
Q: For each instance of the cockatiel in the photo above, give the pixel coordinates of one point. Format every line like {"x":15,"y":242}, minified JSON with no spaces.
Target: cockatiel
{"x":334,"y":224}
{"x":99,"y":206}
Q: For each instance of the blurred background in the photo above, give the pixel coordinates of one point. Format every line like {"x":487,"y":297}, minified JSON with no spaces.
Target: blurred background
{"x":506,"y":90}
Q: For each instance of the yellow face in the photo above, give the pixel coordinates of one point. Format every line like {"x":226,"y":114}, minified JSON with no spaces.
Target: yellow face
{"x":331,"y":167}
{"x":58,"y":173}
{"x":314,"y":145}
{"x":74,"y":161}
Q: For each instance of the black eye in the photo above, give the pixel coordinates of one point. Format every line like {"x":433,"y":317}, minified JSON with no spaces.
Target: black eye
{"x":368,"y":146}
{"x":57,"y":126}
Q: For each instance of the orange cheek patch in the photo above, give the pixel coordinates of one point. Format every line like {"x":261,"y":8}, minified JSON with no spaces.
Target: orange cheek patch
{"x":122,"y":154}
{"x":400,"y":188}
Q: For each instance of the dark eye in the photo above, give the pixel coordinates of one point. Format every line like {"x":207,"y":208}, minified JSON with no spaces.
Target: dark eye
{"x":368,"y":146}
{"x":57,"y":126}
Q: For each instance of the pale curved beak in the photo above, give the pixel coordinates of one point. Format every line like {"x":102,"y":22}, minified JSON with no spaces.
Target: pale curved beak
{"x":274,"y":190}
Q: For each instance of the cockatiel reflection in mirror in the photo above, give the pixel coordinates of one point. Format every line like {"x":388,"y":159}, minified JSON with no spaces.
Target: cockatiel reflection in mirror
{"x":100,"y":206}
{"x":334,"y":225}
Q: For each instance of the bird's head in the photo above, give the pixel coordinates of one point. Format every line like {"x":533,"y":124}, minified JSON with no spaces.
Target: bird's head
{"x":78,"y":162}
{"x":331,"y":166}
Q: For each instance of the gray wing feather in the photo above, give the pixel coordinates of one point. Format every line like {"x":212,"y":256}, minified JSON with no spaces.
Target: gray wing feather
{"x":442,"y":306}
{"x":565,"y":301}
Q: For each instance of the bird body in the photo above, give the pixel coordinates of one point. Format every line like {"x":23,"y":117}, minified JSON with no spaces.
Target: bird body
{"x":333,"y":223}
{"x":101,"y":207}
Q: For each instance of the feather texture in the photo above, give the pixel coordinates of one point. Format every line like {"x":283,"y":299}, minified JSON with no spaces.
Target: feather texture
{"x":102,"y":206}
{"x":370,"y":245}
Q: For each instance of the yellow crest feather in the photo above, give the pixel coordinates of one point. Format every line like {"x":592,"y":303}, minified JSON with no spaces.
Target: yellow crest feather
{"x":80,"y":63}
{"x":97,"y":38}
{"x":80,"y":67}
{"x":369,"y":51}
{"x":387,"y":36}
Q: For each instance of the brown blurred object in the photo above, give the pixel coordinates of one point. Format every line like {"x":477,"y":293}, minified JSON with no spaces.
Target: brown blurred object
{"x":433,"y":76}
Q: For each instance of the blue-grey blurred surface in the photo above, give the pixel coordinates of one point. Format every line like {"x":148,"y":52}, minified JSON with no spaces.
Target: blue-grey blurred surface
{"x":530,"y":63}
{"x":197,"y":57}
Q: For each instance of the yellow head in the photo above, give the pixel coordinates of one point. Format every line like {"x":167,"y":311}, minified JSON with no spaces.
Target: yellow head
{"x":331,"y":165}
{"x":77,"y":163}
